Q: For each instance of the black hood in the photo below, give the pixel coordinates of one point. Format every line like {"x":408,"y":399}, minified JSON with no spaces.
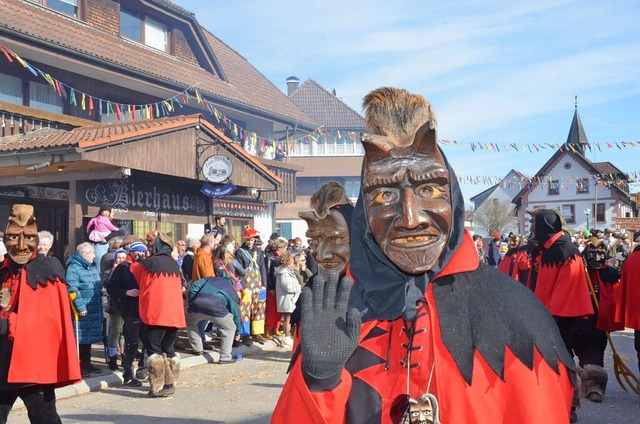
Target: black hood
{"x":382,"y":291}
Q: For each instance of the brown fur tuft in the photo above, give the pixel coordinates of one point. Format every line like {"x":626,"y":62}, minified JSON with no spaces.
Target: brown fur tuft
{"x":397,"y":114}
{"x":328,"y":195}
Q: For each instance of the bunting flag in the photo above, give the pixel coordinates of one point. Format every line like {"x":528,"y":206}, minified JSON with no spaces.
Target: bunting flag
{"x":565,"y":182}
{"x":167,"y":106}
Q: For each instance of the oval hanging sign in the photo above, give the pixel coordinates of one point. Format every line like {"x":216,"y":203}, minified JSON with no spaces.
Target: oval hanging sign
{"x":217,"y":168}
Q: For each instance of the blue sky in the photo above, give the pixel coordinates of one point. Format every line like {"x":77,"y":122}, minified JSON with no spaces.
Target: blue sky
{"x":495,"y":71}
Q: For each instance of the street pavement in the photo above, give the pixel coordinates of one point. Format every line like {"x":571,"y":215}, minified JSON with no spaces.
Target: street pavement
{"x":247,"y":391}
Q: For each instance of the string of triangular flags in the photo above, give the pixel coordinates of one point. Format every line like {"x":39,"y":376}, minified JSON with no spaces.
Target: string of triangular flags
{"x":160,"y":108}
{"x":582,"y":184}
{"x":133,"y":112}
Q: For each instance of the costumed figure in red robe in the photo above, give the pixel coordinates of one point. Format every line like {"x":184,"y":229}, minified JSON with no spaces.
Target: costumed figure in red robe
{"x":558,"y":279}
{"x":420,"y":315}
{"x":591,"y":346}
{"x":516,"y":262}
{"x":37,"y":345}
{"x":162,"y":310}
{"x":628,"y":306}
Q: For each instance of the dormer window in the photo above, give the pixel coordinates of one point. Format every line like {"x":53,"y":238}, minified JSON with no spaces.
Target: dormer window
{"x":143,"y":29}
{"x":69,"y":7}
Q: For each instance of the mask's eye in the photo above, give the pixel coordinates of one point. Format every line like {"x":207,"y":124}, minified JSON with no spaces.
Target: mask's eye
{"x":430,"y":192}
{"x":385,"y":196}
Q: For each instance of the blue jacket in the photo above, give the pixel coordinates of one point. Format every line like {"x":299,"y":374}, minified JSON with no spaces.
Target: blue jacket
{"x":83,"y":278}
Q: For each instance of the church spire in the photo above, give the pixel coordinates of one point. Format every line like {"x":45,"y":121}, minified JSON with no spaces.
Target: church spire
{"x":577,"y":138}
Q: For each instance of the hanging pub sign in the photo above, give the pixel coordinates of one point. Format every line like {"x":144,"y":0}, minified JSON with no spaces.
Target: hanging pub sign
{"x":217,"y":168}
{"x":217,"y":191}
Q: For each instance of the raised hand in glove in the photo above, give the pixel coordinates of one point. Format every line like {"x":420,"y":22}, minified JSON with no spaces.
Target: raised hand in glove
{"x":330,"y":334}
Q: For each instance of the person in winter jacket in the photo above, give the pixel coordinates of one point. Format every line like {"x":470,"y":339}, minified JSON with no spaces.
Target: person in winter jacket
{"x":214,"y":299}
{"x":420,"y":319}
{"x":85,"y":287}
{"x":287,"y":291}
{"x":122,"y":285}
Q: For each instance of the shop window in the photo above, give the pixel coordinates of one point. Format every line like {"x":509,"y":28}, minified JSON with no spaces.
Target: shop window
{"x":143,"y":29}
{"x":554,"y":187}
{"x":42,"y":96}
{"x":569,"y":213}
{"x":10,"y":89}
{"x":582,"y":185}
{"x":236,"y":226}
{"x":68,"y":7}
{"x":284,"y":229}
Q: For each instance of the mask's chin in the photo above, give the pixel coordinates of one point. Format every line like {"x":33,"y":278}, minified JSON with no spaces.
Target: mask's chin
{"x":415,"y":261}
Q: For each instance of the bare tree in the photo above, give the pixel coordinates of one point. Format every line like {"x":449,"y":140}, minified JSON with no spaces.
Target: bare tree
{"x":495,"y":216}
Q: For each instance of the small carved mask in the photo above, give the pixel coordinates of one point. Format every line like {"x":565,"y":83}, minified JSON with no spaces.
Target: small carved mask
{"x":514,"y":241}
{"x":423,"y":410}
{"x":21,"y":235}
{"x":595,"y":254}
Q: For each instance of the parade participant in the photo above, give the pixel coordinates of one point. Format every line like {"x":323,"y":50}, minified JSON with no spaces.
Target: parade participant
{"x":161,"y":309}
{"x":433,"y":320}
{"x":627,"y":310}
{"x":558,"y":279}
{"x":592,"y":340}
{"x":493,"y":252}
{"x":516,"y":262}
{"x":37,"y":345}
{"x":255,"y":292}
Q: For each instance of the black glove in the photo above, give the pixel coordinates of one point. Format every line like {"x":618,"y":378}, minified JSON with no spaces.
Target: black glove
{"x":330,"y":334}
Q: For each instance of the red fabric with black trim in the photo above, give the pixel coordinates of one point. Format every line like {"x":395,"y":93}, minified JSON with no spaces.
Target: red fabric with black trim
{"x":563,"y":288}
{"x":44,"y":347}
{"x":160,"y":298}
{"x":608,"y":294}
{"x":627,"y":308}
{"x":520,"y":261}
{"x":524,"y":396}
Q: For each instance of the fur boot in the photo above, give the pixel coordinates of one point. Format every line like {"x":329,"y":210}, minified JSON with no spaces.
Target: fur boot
{"x":156,"y":373}
{"x":593,"y":382}
{"x":171,"y":374}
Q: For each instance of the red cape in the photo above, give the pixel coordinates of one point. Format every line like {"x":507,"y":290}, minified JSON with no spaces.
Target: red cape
{"x":44,"y":348}
{"x":627,"y":307}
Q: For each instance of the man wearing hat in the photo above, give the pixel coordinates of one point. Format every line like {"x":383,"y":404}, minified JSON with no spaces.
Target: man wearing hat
{"x":122,"y":285}
{"x":162,"y":310}
{"x":420,"y":318}
{"x":37,"y":345}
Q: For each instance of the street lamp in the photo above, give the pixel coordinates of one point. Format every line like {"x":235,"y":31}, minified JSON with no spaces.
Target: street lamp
{"x":587,"y":212}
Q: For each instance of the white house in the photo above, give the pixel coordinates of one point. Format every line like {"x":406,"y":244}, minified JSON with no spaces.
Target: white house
{"x":503,"y":192}
{"x":589,"y":194}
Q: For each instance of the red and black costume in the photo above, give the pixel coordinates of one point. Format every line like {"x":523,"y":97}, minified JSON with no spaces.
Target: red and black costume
{"x":37,"y":343}
{"x":491,"y":352}
{"x":516,"y":263}
{"x":161,"y":309}
{"x":627,"y":310}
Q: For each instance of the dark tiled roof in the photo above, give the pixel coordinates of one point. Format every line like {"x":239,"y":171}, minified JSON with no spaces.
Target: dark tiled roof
{"x":245,"y":86}
{"x":607,"y":168}
{"x":325,"y":108}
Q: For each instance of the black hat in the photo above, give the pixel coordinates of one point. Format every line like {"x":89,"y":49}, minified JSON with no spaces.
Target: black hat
{"x":274,"y":236}
{"x":607,"y":231}
{"x":104,"y":207}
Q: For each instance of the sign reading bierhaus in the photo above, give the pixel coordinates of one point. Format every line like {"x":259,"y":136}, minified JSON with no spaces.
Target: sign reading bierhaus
{"x":145,"y":195}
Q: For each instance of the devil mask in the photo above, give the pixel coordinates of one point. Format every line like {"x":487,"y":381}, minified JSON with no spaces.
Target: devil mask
{"x":406,"y":183}
{"x":329,"y":228}
{"x":21,"y":235}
